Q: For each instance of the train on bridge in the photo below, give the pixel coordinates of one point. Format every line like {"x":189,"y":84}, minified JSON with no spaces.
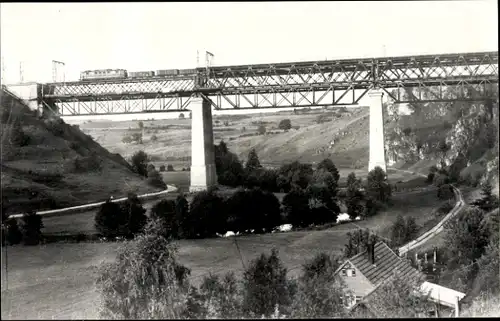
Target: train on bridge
{"x":103,"y":74}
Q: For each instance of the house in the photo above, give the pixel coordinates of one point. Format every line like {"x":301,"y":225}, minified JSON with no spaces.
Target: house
{"x":364,"y":272}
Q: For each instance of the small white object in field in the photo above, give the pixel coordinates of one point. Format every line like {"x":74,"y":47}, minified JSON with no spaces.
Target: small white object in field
{"x":358,"y":218}
{"x":229,"y":233}
{"x":343,"y":217}
{"x":285,"y":227}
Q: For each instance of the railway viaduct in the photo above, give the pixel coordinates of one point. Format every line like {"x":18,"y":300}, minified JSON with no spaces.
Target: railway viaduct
{"x":408,"y":79}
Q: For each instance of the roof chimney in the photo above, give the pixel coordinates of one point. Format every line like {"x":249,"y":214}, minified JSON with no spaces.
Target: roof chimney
{"x":371,"y":252}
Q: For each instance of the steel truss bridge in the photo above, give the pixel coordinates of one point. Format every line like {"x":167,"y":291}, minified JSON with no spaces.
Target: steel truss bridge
{"x":409,"y":79}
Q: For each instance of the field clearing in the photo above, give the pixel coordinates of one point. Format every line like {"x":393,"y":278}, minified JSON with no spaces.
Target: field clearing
{"x":57,"y":280}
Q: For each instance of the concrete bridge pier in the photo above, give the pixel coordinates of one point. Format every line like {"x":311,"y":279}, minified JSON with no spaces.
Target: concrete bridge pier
{"x":377,"y":146}
{"x":203,"y":174}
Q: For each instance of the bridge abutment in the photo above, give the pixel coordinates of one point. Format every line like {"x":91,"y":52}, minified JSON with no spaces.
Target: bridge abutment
{"x":377,"y":146}
{"x":203,"y":174}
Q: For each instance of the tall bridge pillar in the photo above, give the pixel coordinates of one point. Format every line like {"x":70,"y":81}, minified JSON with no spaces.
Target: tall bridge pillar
{"x":203,"y":173}
{"x":377,"y":149}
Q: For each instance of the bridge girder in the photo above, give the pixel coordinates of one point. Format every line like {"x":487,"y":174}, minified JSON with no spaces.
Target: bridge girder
{"x":322,"y":83}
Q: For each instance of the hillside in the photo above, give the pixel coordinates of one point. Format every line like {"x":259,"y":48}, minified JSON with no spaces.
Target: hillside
{"x":307,"y":141}
{"x":463,"y":135}
{"x":49,"y":164}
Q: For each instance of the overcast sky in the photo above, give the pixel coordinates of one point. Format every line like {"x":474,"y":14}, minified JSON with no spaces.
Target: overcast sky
{"x":153,"y":36}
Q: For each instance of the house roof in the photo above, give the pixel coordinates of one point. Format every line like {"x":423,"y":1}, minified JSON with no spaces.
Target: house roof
{"x":386,"y":262}
{"x":441,"y":294}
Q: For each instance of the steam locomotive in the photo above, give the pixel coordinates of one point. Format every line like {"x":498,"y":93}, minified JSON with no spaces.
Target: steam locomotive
{"x":122,"y":73}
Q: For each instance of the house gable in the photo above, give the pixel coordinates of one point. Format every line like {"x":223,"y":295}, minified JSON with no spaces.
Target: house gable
{"x":354,"y":280}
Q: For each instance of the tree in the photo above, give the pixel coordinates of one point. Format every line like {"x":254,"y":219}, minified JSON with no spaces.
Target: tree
{"x":135,"y":216}
{"x":165,"y":210}
{"x":377,"y":185}
{"x":285,"y":124}
{"x":139,"y":163}
{"x":489,"y":201}
{"x":297,"y":174}
{"x":319,"y":292}
{"x":181,"y":213}
{"x":145,"y":281}
{"x":31,"y":228}
{"x":154,"y":138}
{"x":109,"y":220}
{"x":150,"y":167}
{"x":252,"y":209}
{"x":162,"y":168}
{"x":156,"y":179}
{"x":296,"y":208}
{"x":170,"y":168}
{"x":399,"y":297}
{"x":181,"y":116}
{"x":445,"y":192}
{"x":10,"y":230}
{"x":207,"y":216}
{"x":136,"y":137}
{"x":140,"y":124}
{"x":324,"y":178}
{"x":265,"y":285}
{"x":403,"y":231}
{"x":358,"y":241}
{"x":261,"y":130}
{"x":354,"y":196}
{"x":127,"y":139}
{"x":465,"y":239}
{"x":253,"y":161}
{"x":328,"y":165}
{"x":443,"y":149}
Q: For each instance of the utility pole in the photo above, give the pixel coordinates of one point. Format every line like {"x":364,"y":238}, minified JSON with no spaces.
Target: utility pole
{"x":197,"y":59}
{"x":55,"y":70}
{"x":3,"y":71}
{"x":208,"y":58}
{"x":21,"y":72}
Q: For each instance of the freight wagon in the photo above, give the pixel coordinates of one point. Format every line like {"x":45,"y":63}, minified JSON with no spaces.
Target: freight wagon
{"x":141,"y":74}
{"x":187,"y":71}
{"x":103,"y":74}
{"x":169,"y":72}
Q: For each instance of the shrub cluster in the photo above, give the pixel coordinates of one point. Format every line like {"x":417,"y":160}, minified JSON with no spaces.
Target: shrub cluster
{"x":28,"y":232}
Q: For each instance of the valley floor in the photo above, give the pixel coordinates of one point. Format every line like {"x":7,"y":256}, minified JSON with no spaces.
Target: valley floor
{"x":57,"y":280}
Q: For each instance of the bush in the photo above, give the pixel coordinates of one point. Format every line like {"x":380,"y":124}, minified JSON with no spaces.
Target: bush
{"x":294,"y":174}
{"x":285,"y":124}
{"x":154,"y":138}
{"x":162,"y":168}
{"x":17,"y":135}
{"x":156,"y":180}
{"x":170,"y":168}
{"x":109,"y":220}
{"x":136,"y":137}
{"x":31,"y":228}
{"x":150,"y":167}
{"x":181,"y":116}
{"x":139,"y":163}
{"x":220,"y":296}
{"x":261,"y":130}
{"x":91,"y":163}
{"x":10,"y":231}
{"x":145,"y":281}
{"x":441,"y":179}
{"x":430,"y":178}
{"x":445,"y":192}
{"x":265,"y":286}
{"x":55,"y":126}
